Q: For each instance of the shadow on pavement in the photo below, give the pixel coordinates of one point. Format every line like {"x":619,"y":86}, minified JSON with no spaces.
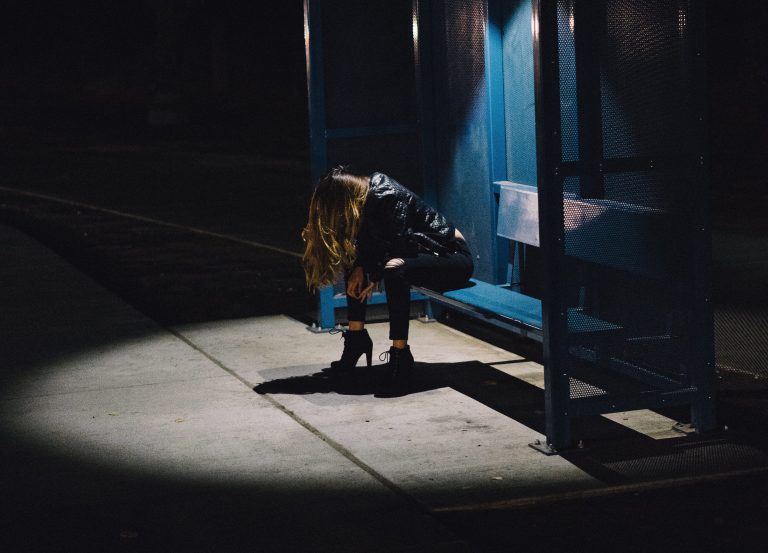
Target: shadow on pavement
{"x":615,"y":455}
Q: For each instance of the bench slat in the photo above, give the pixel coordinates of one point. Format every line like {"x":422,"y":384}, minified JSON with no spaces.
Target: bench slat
{"x":502,"y":301}
{"x":498,"y":301}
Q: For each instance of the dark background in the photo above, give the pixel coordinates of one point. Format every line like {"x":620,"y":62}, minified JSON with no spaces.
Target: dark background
{"x":234,"y":72}
{"x":212,"y":70}
{"x":157,"y":143}
{"x":186,"y":112}
{"x":194,"y":112}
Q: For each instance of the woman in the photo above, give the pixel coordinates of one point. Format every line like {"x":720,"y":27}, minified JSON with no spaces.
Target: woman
{"x":373,"y":229}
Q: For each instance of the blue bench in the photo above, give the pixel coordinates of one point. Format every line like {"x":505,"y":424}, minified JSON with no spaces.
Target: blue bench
{"x":503,"y":306}
{"x":511,"y":310}
{"x":603,"y":240}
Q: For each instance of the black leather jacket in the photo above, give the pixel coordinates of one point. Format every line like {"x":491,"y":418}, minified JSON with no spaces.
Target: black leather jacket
{"x":397,"y":223}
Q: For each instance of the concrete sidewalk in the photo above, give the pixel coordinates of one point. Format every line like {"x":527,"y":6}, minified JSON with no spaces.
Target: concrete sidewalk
{"x":119,"y":434}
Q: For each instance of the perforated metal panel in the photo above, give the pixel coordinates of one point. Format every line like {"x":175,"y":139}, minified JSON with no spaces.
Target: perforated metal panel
{"x":569,"y":118}
{"x":461,"y":125}
{"x":741,"y":340}
{"x":519,"y":101}
{"x":740,"y":292}
{"x":623,"y":163}
{"x":646,"y":78}
{"x":632,"y":240}
{"x":645,"y":189}
{"x":462,"y":77}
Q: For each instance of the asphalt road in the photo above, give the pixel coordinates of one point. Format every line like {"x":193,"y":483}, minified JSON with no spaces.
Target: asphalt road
{"x":183,"y":234}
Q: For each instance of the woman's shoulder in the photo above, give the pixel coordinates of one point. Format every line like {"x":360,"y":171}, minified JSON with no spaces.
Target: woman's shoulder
{"x":382,"y":185}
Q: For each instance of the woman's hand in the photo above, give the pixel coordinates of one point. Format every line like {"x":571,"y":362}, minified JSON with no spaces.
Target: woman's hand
{"x":357,"y":287}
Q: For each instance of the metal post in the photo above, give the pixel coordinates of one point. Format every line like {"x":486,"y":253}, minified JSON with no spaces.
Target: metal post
{"x":317,"y":128}
{"x":589,"y":28}
{"x":548,"y":153}
{"x":701,"y":348}
{"x":315,"y":88}
{"x":497,"y":147}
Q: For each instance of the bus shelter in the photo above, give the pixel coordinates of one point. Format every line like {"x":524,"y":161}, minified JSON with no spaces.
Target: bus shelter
{"x":592,"y":112}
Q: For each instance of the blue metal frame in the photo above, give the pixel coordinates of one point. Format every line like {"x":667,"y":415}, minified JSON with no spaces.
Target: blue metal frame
{"x":548,"y":146}
{"x":315,"y":88}
{"x":512,"y":123}
{"x":694,"y":386}
{"x":317,"y":127}
{"x":481,"y":149}
{"x":328,"y":301}
{"x":497,"y":147}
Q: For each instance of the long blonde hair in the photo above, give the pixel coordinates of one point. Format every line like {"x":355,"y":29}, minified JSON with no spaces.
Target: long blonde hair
{"x":335,"y":213}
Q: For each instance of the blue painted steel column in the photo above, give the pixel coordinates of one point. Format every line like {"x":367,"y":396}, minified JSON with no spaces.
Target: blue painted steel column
{"x":317,"y":128}
{"x":554,"y":307}
{"x":315,"y":88}
{"x":326,"y":311}
{"x":497,"y":148}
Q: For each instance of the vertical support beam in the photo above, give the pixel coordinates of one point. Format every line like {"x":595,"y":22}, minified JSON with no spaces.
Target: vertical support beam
{"x":701,"y":348}
{"x":423,"y":44}
{"x":497,"y":147}
{"x":548,"y":153}
{"x":425,"y":94}
{"x":519,"y":101}
{"x":326,"y":312}
{"x":313,"y":48}
{"x":315,"y":88}
{"x":589,"y":30}
{"x":494,"y":89}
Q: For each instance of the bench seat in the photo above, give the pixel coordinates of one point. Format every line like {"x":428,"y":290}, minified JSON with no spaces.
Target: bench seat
{"x":499,"y":304}
{"x":500,"y":301}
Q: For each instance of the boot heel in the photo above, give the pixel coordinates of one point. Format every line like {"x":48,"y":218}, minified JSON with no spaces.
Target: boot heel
{"x":356,"y":343}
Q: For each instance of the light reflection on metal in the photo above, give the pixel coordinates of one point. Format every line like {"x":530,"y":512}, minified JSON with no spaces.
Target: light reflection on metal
{"x":518,"y":212}
{"x":415,"y":27}
{"x":682,"y":21}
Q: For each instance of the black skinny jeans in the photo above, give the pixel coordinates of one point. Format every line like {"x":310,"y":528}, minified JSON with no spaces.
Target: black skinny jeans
{"x":430,"y":271}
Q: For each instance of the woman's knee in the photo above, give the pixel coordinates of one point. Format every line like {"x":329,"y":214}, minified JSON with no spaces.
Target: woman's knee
{"x":394,"y":274}
{"x":395,"y":263}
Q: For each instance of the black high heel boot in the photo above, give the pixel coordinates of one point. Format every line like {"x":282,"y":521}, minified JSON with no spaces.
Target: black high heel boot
{"x":356,"y":343}
{"x":399,"y":369}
